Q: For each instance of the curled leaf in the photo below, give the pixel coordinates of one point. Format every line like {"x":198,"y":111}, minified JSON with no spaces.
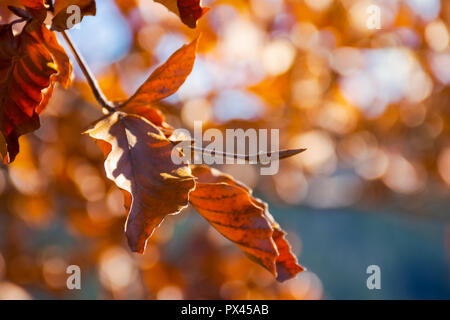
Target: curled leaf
{"x":70,"y":12}
{"x":26,"y":68}
{"x":60,"y":57}
{"x":138,"y":160}
{"x":61,"y":61}
{"x":231,"y":209}
{"x":189,"y":11}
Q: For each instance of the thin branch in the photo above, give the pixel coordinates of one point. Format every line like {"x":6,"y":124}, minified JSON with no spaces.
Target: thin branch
{"x":99,"y":96}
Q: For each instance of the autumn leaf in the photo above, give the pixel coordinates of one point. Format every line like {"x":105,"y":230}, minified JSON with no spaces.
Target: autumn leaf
{"x":148,"y":112}
{"x":189,"y":11}
{"x":166,"y":79}
{"x":26,"y":68}
{"x":30,"y":4}
{"x":139,"y":153}
{"x":63,"y":17}
{"x":138,"y":160}
{"x":30,"y":63}
{"x":34,"y":4}
{"x":231,"y":209}
{"x":163,"y":82}
{"x":63,"y":64}
{"x":62,"y":61}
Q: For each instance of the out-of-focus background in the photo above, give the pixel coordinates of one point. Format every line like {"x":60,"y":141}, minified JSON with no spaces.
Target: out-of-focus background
{"x":371,"y":105}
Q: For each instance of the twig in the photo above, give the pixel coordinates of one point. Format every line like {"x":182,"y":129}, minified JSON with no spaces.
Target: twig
{"x":98,"y":94}
{"x":277,"y":155}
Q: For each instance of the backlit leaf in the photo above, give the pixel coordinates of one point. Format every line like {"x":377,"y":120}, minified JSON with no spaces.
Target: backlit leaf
{"x":167,"y":78}
{"x":60,"y":57}
{"x":231,"y":209}
{"x":26,"y":68}
{"x":138,"y":160}
{"x":148,"y":112}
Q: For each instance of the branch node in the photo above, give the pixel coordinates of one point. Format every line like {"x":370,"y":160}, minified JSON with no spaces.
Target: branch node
{"x":98,"y":94}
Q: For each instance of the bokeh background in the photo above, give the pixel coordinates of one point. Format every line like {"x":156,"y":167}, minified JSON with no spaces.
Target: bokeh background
{"x":371,"y":106}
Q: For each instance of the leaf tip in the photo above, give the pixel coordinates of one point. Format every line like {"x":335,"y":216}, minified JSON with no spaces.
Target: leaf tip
{"x":290,"y":153}
{"x":284,"y":274}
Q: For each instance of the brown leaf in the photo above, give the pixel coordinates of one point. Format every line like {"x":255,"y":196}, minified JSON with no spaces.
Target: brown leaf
{"x":167,"y":78}
{"x":189,"y":11}
{"x":62,"y":61}
{"x":148,"y":112}
{"x":286,"y":263}
{"x":62,"y":18}
{"x":138,"y":160}
{"x":231,"y":209}
{"x":26,"y":68}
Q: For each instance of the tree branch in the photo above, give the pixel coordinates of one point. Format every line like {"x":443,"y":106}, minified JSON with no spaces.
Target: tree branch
{"x":98,"y":94}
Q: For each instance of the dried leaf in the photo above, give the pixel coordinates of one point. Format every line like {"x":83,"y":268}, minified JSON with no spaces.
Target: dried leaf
{"x":163,"y":82}
{"x":61,"y":60}
{"x":138,"y":160}
{"x":231,"y":209}
{"x":26,"y":68}
{"x":63,"y":19}
{"x":60,"y":57}
{"x":189,"y":11}
{"x":150,"y":113}
{"x":167,"y":78}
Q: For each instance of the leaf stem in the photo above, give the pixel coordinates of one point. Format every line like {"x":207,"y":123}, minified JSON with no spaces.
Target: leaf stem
{"x":98,"y":94}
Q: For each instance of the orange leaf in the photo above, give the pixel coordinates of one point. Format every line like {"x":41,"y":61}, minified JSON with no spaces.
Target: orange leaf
{"x":231,"y":209}
{"x":60,"y":57}
{"x":163,"y":82}
{"x":61,"y":60}
{"x":63,"y":19}
{"x":167,"y":78}
{"x":26,"y":68}
{"x":138,"y":160}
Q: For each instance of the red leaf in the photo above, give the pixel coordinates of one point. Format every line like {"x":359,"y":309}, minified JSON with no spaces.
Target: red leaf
{"x":62,"y":61}
{"x":30,"y":63}
{"x":231,"y":209}
{"x":25,"y":69}
{"x":189,"y":11}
